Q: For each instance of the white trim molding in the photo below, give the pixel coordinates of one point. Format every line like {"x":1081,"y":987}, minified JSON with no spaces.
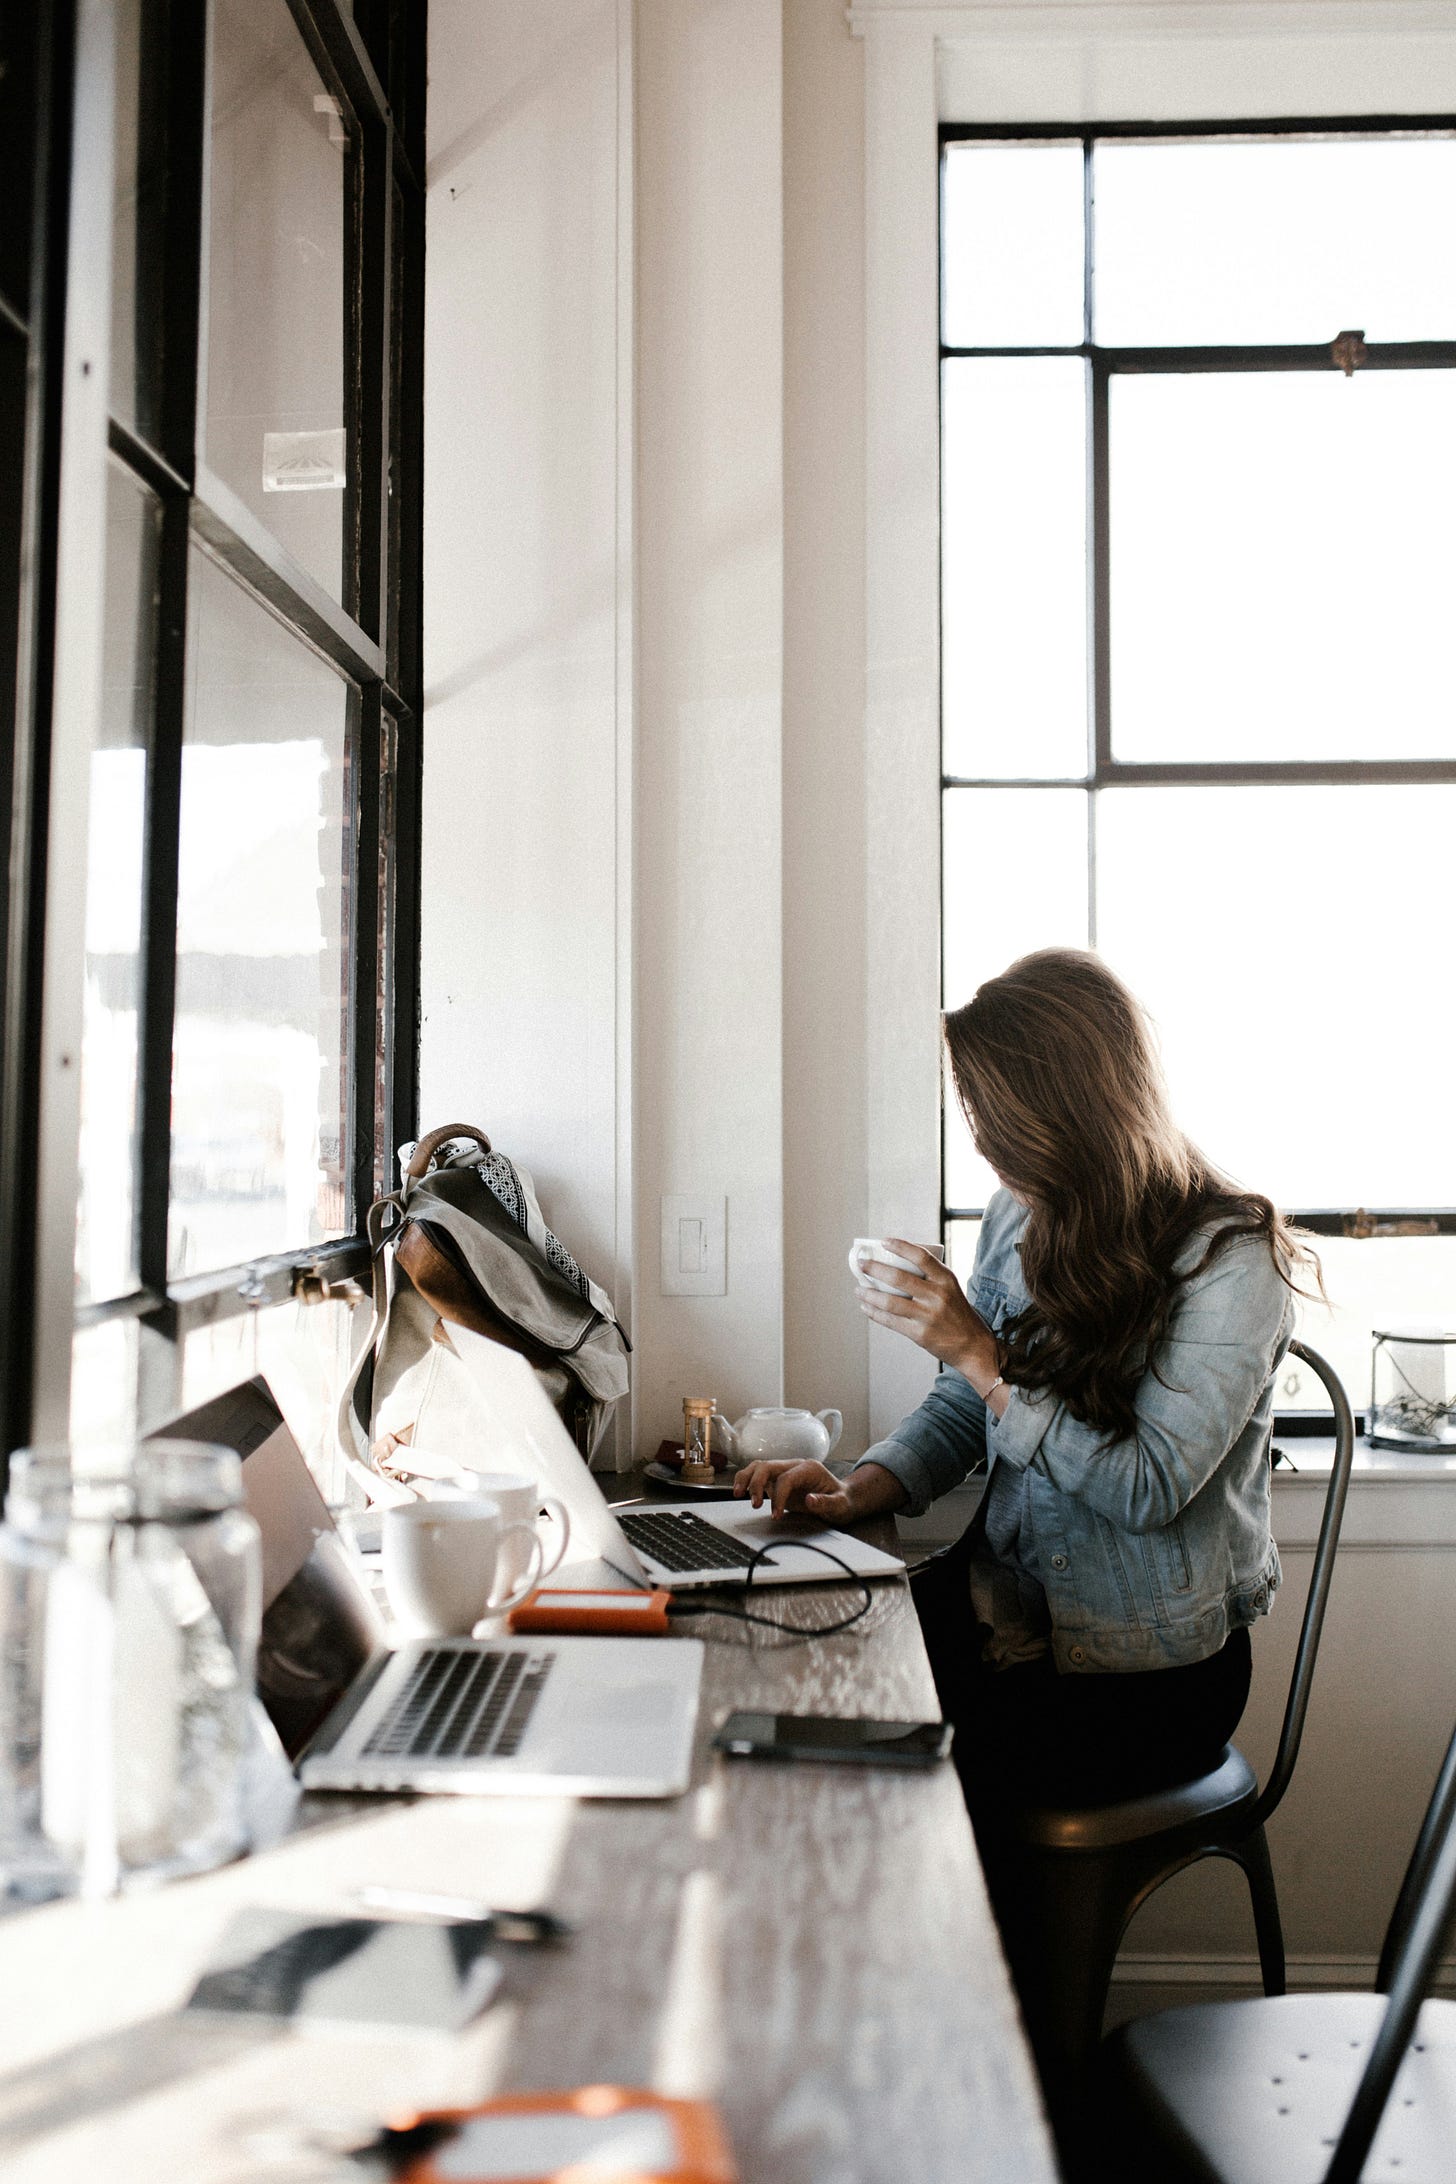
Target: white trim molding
{"x":902,"y":668}
{"x":75,"y":709}
{"x":1045,"y":19}
{"x":626,"y":1274}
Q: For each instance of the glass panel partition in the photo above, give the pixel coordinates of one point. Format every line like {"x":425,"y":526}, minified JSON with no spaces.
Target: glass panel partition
{"x":115,"y":881}
{"x":278,"y":428}
{"x":264,"y":939}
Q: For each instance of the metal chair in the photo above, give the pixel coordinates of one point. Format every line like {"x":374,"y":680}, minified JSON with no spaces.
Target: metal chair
{"x":1080,"y":1874}
{"x":1261,"y":2092}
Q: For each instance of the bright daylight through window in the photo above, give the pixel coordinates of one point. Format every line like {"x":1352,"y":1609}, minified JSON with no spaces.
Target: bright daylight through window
{"x":1198,"y":654}
{"x":247,"y":1059}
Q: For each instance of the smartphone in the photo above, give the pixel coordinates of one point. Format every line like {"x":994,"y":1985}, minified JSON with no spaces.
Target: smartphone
{"x":826,"y":1737}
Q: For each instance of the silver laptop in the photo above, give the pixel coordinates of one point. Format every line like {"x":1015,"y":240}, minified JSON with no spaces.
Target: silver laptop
{"x":677,"y":1544}
{"x":528,"y":1717}
{"x":525,"y":1717}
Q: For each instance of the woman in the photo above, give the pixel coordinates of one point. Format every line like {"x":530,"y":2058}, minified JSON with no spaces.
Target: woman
{"x":1113,"y":1362}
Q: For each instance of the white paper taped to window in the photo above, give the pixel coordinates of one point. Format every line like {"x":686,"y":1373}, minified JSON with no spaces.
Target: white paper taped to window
{"x":304,"y":462}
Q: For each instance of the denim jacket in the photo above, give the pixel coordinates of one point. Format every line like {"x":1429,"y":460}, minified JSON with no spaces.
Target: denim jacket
{"x":1152,"y":1548}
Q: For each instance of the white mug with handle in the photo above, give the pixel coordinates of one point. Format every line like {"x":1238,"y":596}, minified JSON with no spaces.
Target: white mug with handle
{"x":874,"y":1247}
{"x":443,"y":1563}
{"x":523,"y":1502}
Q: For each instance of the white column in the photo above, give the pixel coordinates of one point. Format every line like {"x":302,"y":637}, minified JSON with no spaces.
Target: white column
{"x":902,"y":710}
{"x":708,"y":978}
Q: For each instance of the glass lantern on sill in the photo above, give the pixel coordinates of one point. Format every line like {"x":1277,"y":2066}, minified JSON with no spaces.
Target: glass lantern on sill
{"x":1413,"y":1391}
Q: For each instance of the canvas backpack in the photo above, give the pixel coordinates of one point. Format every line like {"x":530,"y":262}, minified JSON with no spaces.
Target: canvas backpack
{"x":463,"y":1242}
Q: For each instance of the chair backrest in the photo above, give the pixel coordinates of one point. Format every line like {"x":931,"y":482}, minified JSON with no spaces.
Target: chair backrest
{"x":1419,"y":1931}
{"x":1302,"y":1680}
{"x":1438,"y":1819}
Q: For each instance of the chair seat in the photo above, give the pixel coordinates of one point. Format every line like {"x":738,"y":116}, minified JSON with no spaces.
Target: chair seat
{"x":1255,"y":2092}
{"x":1159,"y":1812}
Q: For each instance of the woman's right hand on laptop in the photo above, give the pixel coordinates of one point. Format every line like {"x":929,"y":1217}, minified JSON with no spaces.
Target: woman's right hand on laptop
{"x":869,"y":1490}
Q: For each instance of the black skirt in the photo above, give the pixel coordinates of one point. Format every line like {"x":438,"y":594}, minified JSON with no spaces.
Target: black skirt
{"x":1030,"y":1734}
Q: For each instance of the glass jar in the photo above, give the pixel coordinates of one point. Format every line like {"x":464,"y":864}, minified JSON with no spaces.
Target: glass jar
{"x":1413,"y":1390}
{"x":130,"y":1595}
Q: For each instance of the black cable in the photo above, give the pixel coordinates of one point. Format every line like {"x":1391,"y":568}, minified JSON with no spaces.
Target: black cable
{"x":761,"y":1555}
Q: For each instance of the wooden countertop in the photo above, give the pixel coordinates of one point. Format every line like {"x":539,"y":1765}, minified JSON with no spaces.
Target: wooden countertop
{"x":810,"y":1946}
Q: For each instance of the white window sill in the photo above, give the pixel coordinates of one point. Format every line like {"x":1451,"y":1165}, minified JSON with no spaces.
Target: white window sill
{"x":1395,"y":1500}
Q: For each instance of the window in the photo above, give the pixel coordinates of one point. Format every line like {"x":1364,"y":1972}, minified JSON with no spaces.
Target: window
{"x":1198,"y":660}
{"x":241,"y":973}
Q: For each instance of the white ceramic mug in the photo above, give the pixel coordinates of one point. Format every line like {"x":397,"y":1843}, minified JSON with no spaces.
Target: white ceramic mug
{"x":442,"y":1561}
{"x":522,"y":1502}
{"x":875,"y":1247}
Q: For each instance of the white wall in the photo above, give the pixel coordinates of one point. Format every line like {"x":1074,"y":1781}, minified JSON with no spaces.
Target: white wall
{"x":526,"y":853}
{"x":643,"y":945}
{"x":1380,"y":1716}
{"x":708,"y":1050}
{"x":825,"y":809}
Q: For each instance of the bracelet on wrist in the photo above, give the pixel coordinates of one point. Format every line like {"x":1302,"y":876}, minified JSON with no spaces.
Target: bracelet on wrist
{"x":998,"y":1382}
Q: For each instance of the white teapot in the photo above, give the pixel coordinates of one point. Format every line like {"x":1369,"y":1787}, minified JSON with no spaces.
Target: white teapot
{"x":777,"y":1436}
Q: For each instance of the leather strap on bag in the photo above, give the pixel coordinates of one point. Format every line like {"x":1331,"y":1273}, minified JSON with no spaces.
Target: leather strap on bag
{"x":430,"y":1144}
{"x":387,"y":1221}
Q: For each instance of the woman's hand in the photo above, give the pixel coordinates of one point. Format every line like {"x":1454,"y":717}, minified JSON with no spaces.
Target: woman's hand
{"x":932,"y":1310}
{"x":869,"y":1490}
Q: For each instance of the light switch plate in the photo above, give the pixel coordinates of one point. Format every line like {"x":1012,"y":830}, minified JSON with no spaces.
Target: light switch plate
{"x":694,"y":1247}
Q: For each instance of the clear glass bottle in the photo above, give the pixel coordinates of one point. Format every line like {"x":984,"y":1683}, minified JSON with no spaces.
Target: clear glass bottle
{"x":130,"y":1597}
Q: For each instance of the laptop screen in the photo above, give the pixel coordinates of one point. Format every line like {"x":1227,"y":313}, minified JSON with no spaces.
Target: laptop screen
{"x":320,"y":1623}
{"x":521,"y":1432}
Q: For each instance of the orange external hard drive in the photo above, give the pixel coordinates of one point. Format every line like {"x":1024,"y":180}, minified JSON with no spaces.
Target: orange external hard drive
{"x":603,"y":1613}
{"x":612,"y":2134}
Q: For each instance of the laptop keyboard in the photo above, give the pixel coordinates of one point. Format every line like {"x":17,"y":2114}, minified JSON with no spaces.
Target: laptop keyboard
{"x":462,"y":1704}
{"x":683,"y":1541}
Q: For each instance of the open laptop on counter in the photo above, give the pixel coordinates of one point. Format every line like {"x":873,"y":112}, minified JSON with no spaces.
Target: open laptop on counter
{"x":662,"y":1543}
{"x":578,"y":1716}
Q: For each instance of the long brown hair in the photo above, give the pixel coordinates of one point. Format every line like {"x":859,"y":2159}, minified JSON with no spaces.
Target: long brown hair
{"x":1056,"y":1068}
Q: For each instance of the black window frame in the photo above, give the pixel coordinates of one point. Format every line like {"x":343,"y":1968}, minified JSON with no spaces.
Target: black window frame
{"x":362,"y":56}
{"x":1104,"y":363}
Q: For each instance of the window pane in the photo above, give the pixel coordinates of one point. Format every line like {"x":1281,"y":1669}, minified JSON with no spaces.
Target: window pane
{"x":136,"y":243}
{"x":282,"y":157}
{"x":1012,"y":246}
{"x":1014,"y":568}
{"x":1292,"y":944}
{"x":303,"y":1352}
{"x":104,"y":1383}
{"x":1015,"y":875}
{"x":1274,"y":241}
{"x":961,"y":1239}
{"x":1381,"y":1282}
{"x":264,"y":960}
{"x":1283,"y":565}
{"x":106,"y":1263}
